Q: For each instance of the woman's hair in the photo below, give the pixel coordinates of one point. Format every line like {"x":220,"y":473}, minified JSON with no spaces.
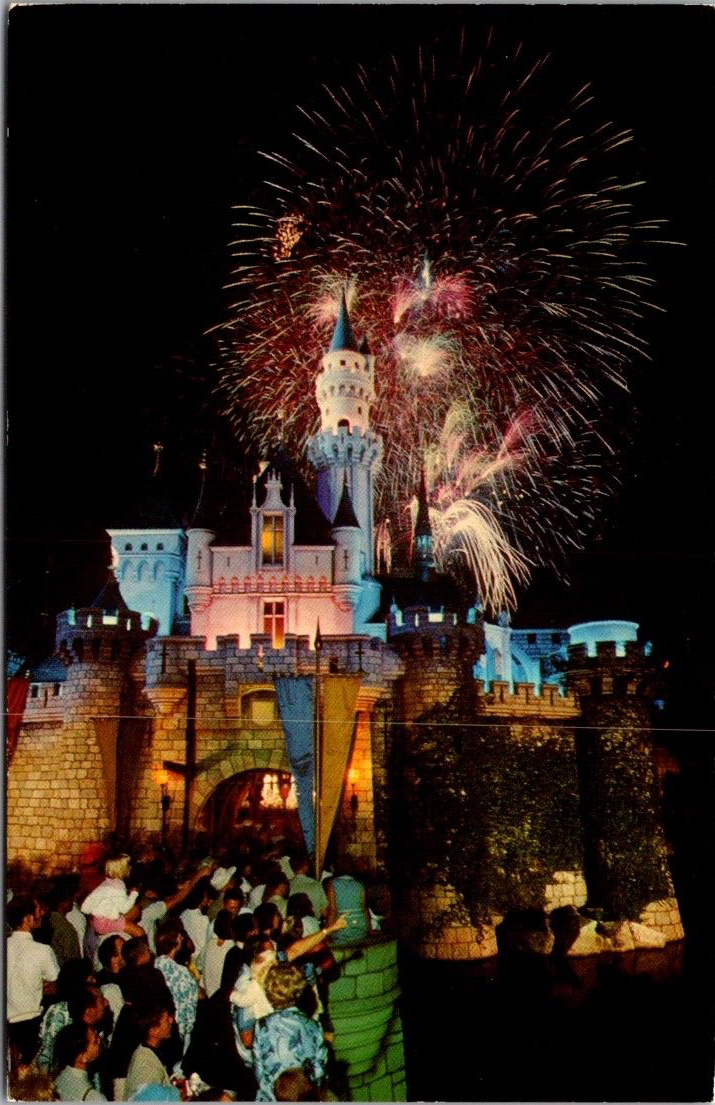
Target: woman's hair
{"x":294,"y":1085}
{"x":223,"y":925}
{"x":167,"y":937}
{"x":70,"y":1043}
{"x":74,"y":974}
{"x":284,"y":985}
{"x":244,"y":924}
{"x":300,"y":905}
{"x":268,"y":916}
{"x":148,"y":1016}
{"x":107,"y":950}
{"x":117,"y":865}
{"x":81,"y":1001}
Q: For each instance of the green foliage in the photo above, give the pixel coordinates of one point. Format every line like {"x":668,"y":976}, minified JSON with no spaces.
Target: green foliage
{"x":494,"y":808}
{"x":626,"y":856}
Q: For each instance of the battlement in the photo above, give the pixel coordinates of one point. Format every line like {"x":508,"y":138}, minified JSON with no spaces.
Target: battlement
{"x":94,"y":635}
{"x":167,"y":659}
{"x":547,"y":701}
{"x":605,"y":652}
{"x":344,"y":446}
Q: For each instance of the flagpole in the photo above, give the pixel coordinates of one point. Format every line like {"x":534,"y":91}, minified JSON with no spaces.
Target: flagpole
{"x":317,"y":751}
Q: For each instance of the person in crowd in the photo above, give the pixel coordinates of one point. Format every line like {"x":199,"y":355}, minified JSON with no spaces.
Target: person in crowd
{"x":276,"y":891}
{"x":222,"y":880}
{"x":346,"y":896}
{"x":64,"y":940}
{"x":300,"y":915}
{"x":286,"y":1039}
{"x":74,"y":978}
{"x":145,"y":1067}
{"x":161,"y":895}
{"x":31,"y":973}
{"x":111,"y":959}
{"x":217,"y":947}
{"x":303,"y":883}
{"x":194,"y":917}
{"x":78,"y":1047}
{"x":232,"y":898}
{"x":244,"y":928}
{"x":183,"y":987}
{"x":214,"y":1051}
{"x":111,"y":907}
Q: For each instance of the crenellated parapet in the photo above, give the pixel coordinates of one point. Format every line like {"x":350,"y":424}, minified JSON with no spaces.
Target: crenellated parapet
{"x":92,"y":635}
{"x":548,"y":702}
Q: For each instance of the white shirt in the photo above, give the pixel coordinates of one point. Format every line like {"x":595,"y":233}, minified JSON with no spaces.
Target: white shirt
{"x":196,"y":924}
{"x":151,"y":915}
{"x":214,"y":956}
{"x":256,"y":897}
{"x":29,"y":964}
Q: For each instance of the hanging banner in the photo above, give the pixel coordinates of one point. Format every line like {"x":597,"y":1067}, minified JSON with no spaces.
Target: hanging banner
{"x":338,"y":696}
{"x":105,"y":731}
{"x":296,"y":704}
{"x":16,"y":694}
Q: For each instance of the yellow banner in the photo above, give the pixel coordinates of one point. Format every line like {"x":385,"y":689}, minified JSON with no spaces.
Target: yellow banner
{"x":338,"y":694}
{"x":105,"y":731}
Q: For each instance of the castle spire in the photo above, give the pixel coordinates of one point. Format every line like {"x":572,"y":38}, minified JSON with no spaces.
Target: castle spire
{"x":423,"y":558}
{"x":343,"y":337}
{"x":345,"y":515}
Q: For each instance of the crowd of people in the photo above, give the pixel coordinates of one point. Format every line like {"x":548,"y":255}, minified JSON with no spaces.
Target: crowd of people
{"x":146,"y":978}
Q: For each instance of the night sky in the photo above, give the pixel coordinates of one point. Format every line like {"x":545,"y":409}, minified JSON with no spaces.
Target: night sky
{"x":132,"y":130}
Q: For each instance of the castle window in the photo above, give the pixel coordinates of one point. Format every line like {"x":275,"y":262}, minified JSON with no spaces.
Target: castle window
{"x":258,"y":708}
{"x":344,"y":424}
{"x":34,"y":690}
{"x":78,"y":646}
{"x":115,"y":650}
{"x":272,"y":539}
{"x":531,"y":638}
{"x":96,"y":646}
{"x":89,"y":621}
{"x":56,"y":690}
{"x":274,"y":622}
{"x":144,"y":547}
{"x":160,"y":547}
{"x":128,"y":548}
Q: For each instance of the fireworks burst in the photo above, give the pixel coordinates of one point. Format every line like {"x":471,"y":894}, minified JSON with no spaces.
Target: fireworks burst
{"x":491,"y":255}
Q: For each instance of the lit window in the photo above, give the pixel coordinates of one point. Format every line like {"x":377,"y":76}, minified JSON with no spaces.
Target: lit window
{"x":274,"y":622}
{"x":258,"y":708}
{"x":272,"y":539}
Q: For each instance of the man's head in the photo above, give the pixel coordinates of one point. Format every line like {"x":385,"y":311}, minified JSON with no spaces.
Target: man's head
{"x":154,"y":1024}
{"x":233,"y":900}
{"x":110,"y":954}
{"x":135,"y":952}
{"x":24,"y":914}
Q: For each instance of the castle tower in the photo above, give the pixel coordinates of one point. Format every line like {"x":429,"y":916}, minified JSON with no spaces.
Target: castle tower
{"x":625,"y":852}
{"x":72,"y":772}
{"x":149,"y":556}
{"x":423,"y":555}
{"x":347,"y":537}
{"x":345,"y":446}
{"x":200,"y":534}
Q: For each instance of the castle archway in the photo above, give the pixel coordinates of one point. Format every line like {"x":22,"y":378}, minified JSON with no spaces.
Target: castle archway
{"x":249,"y":804}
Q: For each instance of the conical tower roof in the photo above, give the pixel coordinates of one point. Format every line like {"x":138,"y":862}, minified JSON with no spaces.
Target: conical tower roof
{"x":110,"y":598}
{"x":423,"y":527}
{"x":345,"y":514}
{"x":343,"y":337}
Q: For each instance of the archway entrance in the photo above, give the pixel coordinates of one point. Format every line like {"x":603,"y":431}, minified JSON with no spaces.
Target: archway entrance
{"x":249,"y":804}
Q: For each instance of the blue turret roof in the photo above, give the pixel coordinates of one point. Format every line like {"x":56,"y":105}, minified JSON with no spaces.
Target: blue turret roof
{"x":51,"y":670}
{"x":345,"y":515}
{"x":343,"y":337}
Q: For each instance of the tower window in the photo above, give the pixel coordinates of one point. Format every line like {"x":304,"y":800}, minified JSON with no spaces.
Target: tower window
{"x":34,"y":690}
{"x":128,"y":548}
{"x":145,"y":547}
{"x":272,"y":539}
{"x":274,"y":622}
{"x":160,"y":547}
{"x":344,"y":424}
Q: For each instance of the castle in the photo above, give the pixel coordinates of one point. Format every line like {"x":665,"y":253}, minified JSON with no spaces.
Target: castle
{"x":486,"y":769}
